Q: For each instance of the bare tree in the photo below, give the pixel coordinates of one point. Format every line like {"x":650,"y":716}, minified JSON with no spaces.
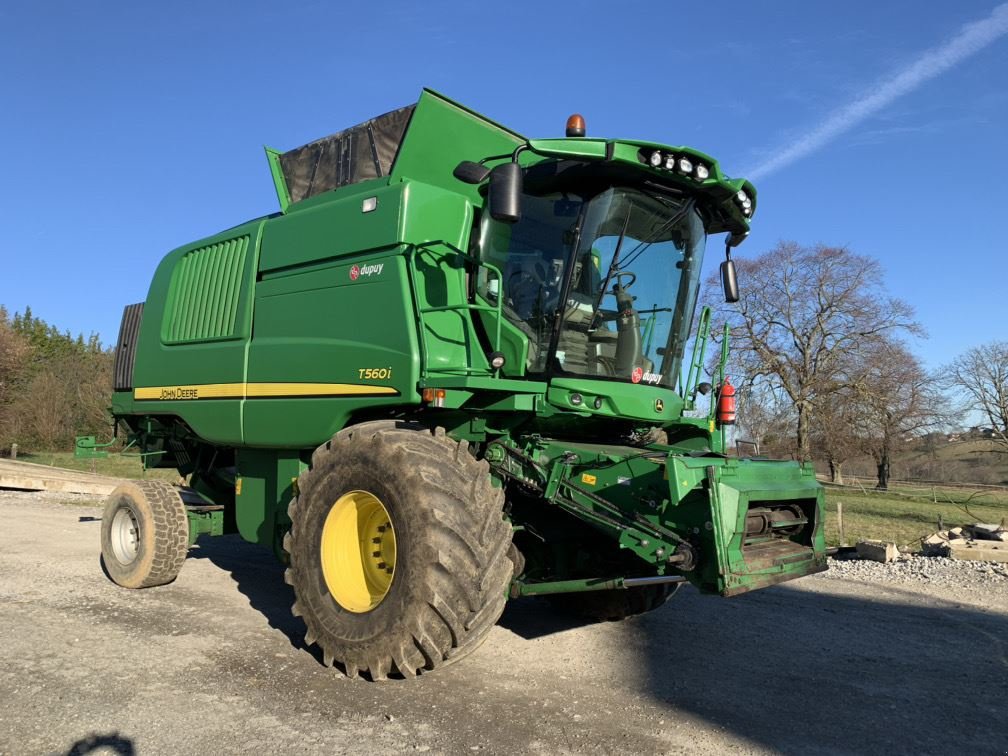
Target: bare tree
{"x":834,"y":430}
{"x":766,"y":418}
{"x":41,"y":414}
{"x":897,"y":401}
{"x":981,"y":375}
{"x":802,"y":311}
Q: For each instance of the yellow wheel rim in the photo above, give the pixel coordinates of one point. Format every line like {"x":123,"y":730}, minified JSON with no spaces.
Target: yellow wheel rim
{"x":358,"y":551}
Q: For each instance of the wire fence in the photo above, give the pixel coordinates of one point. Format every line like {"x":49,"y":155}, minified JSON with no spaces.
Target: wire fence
{"x":937,"y":491}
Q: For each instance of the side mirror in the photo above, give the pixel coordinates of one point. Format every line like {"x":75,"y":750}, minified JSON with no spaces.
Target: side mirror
{"x":470,"y":172}
{"x":505,"y":192}
{"x":729,"y":281}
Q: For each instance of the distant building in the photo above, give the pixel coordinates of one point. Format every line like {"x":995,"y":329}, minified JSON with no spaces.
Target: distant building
{"x":978,"y":431}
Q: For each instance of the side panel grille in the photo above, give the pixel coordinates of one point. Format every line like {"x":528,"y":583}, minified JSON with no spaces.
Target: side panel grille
{"x":203,"y":299}
{"x":129,"y":329}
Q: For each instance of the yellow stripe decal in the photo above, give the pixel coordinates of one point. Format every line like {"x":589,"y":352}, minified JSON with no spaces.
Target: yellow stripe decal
{"x":256,"y":390}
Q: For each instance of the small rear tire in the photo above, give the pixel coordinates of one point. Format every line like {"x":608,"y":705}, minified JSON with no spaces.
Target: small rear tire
{"x":144,"y":534}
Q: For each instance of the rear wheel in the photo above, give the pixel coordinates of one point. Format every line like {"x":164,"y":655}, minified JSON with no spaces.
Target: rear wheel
{"x":144,"y":534}
{"x":615,"y":605}
{"x":398,"y":550}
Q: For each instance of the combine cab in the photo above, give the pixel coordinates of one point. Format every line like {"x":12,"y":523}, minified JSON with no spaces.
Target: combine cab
{"x":451,"y":371}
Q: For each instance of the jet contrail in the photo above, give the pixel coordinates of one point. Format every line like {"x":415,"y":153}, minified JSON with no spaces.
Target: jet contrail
{"x":973,"y":38}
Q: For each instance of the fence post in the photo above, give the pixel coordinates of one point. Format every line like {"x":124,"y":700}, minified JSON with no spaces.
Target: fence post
{"x":13,"y":451}
{"x":839,"y":519}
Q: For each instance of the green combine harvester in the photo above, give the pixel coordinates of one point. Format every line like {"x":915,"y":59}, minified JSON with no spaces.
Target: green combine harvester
{"x":449,"y":371}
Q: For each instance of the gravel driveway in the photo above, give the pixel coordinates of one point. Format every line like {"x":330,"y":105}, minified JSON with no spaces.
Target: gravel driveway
{"x":908,"y":658}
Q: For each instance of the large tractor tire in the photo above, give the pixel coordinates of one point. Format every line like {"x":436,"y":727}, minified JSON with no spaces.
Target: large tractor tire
{"x":615,"y":605}
{"x":398,"y":550}
{"x":144,"y":534}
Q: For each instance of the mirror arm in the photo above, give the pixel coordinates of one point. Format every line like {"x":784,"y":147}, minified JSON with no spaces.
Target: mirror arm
{"x":512,"y":156}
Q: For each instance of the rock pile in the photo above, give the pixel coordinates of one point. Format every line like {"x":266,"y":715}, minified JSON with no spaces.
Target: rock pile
{"x":979,"y":541}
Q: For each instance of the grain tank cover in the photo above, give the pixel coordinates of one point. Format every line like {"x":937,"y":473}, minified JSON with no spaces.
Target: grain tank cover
{"x":362,"y":152}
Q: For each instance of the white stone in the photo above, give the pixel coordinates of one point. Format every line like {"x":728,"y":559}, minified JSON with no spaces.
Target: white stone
{"x":878,"y":551}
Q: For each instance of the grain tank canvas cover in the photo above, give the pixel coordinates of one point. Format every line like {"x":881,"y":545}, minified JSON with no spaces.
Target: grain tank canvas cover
{"x":359,"y":153}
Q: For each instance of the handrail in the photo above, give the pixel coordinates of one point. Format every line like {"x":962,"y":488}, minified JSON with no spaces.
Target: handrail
{"x":699,"y":353}
{"x":464,"y":306}
{"x":724,"y":354}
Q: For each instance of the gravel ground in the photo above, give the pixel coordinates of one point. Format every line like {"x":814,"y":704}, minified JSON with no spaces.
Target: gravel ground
{"x":976,"y":578}
{"x":867,"y":658}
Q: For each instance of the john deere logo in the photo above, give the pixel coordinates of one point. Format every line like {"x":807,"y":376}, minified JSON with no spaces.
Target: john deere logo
{"x":659,"y":405}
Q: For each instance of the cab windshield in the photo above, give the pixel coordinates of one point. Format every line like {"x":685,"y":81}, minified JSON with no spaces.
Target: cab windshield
{"x":630,"y":294}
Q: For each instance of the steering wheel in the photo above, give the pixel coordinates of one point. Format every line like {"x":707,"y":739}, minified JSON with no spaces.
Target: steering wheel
{"x":620,"y":276}
{"x":525,"y":284}
{"x":530,"y":277}
{"x":535,"y":273}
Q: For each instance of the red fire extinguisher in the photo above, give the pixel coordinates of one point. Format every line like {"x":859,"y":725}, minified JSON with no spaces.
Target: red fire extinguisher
{"x":726,"y":403}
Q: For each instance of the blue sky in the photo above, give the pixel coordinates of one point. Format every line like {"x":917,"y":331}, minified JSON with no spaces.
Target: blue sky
{"x":131,"y":128}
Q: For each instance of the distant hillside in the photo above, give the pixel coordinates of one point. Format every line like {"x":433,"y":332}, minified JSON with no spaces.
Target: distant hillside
{"x":974,"y":461}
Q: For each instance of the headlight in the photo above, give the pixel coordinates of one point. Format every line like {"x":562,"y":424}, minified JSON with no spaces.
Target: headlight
{"x":684,"y":165}
{"x":745,"y":202}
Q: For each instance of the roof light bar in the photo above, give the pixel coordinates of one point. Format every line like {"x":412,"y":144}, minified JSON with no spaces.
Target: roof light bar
{"x":685,"y":165}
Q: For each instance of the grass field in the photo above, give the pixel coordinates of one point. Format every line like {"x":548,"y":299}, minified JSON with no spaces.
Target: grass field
{"x":115,"y":465}
{"x":904,"y":517}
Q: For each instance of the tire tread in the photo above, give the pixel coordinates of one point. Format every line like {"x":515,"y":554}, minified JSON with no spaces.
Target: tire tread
{"x":469,"y":573}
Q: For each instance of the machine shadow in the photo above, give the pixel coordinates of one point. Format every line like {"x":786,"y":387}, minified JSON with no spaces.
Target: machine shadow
{"x":786,"y":668}
{"x":532,"y":618}
{"x":260,"y":578}
{"x":809,"y":672}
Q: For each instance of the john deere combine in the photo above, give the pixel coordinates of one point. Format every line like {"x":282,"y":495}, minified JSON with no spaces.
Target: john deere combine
{"x":451,"y":371}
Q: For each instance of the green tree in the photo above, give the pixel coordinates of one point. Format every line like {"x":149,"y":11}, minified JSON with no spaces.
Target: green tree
{"x":53,"y":385}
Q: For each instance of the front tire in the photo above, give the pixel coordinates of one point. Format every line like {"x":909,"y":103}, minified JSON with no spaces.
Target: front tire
{"x":144,"y":534}
{"x":398,"y":550}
